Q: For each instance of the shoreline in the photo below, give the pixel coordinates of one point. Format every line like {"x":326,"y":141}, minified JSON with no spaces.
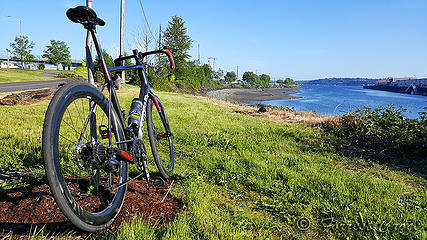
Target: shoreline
{"x":243,"y":95}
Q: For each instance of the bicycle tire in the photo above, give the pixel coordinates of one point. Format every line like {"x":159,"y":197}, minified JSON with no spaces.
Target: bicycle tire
{"x":160,"y":137}
{"x":94,"y":210}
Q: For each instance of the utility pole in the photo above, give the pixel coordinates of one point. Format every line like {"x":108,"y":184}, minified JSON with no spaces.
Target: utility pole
{"x":160,"y":45}
{"x":89,"y":62}
{"x":122,"y":35}
{"x":160,"y":36}
{"x":146,"y":49}
{"x":7,"y":53}
{"x":20,"y":23}
{"x":214,"y":60}
{"x":198,"y":46}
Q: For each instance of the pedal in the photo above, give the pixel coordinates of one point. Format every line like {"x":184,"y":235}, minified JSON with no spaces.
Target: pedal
{"x":103,"y":131}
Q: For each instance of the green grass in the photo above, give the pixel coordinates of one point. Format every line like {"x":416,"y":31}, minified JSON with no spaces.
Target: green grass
{"x":242,"y":177}
{"x":20,"y":75}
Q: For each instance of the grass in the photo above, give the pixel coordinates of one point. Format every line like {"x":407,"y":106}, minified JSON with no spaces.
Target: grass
{"x":243,"y":177}
{"x":20,"y":75}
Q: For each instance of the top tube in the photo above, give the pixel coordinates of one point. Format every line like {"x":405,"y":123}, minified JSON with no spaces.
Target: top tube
{"x":123,"y":68}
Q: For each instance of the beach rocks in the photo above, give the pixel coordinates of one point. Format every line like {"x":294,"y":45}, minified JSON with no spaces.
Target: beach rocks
{"x":262,"y":109}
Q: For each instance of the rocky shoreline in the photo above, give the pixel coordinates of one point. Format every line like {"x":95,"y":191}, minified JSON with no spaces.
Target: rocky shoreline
{"x":246,"y":95}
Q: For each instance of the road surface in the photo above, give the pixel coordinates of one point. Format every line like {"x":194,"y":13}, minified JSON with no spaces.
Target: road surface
{"x":22,"y":86}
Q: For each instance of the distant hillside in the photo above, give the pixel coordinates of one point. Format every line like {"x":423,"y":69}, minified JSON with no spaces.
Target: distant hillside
{"x":340,"y":81}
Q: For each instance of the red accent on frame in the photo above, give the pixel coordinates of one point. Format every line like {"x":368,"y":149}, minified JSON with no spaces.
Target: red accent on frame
{"x":126,"y":155}
{"x":105,"y":71}
{"x":157,"y":104}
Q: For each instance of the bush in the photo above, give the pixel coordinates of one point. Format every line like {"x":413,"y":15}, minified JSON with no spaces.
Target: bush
{"x":384,"y":130}
{"x":68,"y":75}
{"x":99,"y":77}
{"x":80,"y":69}
{"x":41,"y":66}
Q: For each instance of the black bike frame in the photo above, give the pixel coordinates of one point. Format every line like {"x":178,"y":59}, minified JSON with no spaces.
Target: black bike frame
{"x":145,"y":90}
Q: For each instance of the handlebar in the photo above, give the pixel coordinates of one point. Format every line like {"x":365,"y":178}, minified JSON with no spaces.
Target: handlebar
{"x":171,"y":60}
{"x":139,"y":56}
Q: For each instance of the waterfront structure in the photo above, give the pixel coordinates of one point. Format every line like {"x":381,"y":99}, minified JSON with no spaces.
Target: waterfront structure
{"x":412,"y":86}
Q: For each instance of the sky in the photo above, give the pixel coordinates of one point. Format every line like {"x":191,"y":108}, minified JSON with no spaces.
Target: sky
{"x":301,"y":39}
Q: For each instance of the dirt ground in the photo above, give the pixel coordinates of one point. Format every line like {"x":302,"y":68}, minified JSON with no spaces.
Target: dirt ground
{"x":22,"y":210}
{"x":27,"y":97}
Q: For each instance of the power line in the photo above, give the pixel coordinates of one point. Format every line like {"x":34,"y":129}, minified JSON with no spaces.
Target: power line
{"x":146,"y":20}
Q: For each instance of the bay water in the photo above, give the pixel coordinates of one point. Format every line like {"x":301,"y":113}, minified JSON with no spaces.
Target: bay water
{"x":337,"y":100}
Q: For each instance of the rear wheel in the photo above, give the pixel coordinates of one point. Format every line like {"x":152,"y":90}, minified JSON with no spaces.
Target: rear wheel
{"x":74,"y":140}
{"x":160,"y":136}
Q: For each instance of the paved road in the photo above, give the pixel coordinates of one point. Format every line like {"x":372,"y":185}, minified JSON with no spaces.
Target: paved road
{"x":22,"y":86}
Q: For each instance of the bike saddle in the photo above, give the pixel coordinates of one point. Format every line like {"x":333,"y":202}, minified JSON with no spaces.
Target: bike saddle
{"x":85,"y":16}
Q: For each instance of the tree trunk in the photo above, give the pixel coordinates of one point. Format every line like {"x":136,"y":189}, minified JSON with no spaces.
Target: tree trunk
{"x":57,"y":66}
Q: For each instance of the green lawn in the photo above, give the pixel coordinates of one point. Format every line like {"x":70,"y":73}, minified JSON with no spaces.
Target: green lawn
{"x":242,"y":177}
{"x":20,"y":75}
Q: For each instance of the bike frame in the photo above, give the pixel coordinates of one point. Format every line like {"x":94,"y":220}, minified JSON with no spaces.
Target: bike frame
{"x":145,"y":90}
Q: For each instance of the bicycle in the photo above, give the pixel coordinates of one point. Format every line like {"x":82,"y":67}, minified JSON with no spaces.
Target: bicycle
{"x":87,"y":145}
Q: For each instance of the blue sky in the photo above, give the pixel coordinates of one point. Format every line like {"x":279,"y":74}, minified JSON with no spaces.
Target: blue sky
{"x":299,"y":39}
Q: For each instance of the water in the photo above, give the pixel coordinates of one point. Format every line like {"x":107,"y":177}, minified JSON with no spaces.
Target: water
{"x":338,"y":100}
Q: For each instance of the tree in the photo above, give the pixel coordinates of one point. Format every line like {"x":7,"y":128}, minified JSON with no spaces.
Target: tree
{"x":218,"y":74}
{"x":179,"y":43}
{"x":21,"y":49}
{"x":264,"y":80}
{"x":279,"y":81}
{"x":230,"y":77}
{"x":99,"y":75}
{"x":251,"y":78}
{"x":207,"y":69}
{"x":289,"y":81}
{"x":57,"y":52}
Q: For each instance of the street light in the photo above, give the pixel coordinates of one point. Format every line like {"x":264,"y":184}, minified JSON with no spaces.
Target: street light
{"x":20,"y":23}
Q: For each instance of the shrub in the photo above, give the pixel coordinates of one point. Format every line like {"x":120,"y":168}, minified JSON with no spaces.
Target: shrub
{"x":68,"y":75}
{"x":99,"y":77}
{"x":80,"y":69}
{"x":41,"y":66}
{"x":384,"y":129}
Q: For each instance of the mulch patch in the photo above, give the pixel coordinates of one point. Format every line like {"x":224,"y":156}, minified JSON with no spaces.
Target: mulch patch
{"x":22,"y":210}
{"x":27,"y":97}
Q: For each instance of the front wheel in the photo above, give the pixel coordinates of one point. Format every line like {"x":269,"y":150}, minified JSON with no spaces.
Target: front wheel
{"x":74,"y":133}
{"x":160,"y":136}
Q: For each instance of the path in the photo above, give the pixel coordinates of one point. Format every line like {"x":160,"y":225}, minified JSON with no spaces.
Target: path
{"x":22,"y":86}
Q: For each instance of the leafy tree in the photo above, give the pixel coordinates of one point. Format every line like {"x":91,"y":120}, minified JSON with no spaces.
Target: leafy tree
{"x":57,"y":52}
{"x":264,"y":80}
{"x":98,"y":75}
{"x":208,"y":71}
{"x":176,"y":39}
{"x":279,"y":81}
{"x":133,"y":74}
{"x":251,"y":78}
{"x":21,"y":49}
{"x":289,"y":81}
{"x":218,"y":74}
{"x":230,"y":77}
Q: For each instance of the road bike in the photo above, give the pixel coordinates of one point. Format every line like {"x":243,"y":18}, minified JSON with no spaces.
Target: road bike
{"x":89,"y":143}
